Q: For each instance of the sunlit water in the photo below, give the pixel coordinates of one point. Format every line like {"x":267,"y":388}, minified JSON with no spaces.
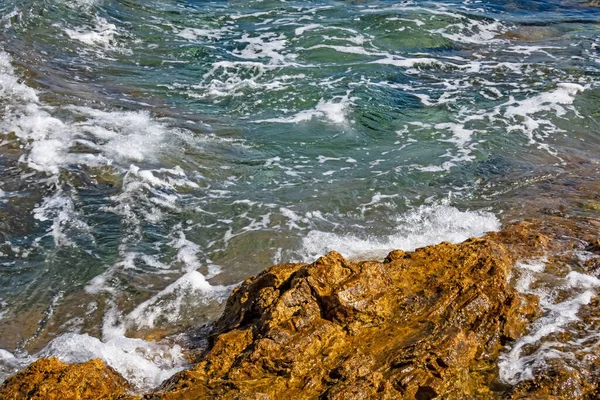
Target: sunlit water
{"x":156,"y":153}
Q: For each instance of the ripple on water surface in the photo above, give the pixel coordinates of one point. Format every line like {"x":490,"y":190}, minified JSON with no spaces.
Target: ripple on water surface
{"x":155,"y":155}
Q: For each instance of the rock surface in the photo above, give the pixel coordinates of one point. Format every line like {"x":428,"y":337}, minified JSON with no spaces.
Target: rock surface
{"x":419,"y":325}
{"x":49,"y":379}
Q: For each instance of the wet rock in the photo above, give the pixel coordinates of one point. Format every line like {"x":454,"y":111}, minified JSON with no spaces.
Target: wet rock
{"x":49,"y":379}
{"x":418,"y":325}
{"x":574,"y":370}
{"x":558,"y":382}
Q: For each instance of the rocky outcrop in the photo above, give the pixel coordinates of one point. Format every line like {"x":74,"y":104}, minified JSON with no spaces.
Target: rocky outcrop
{"x":419,"y":325}
{"x":51,"y":379}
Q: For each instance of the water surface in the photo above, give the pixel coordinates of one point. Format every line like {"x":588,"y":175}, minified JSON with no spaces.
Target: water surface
{"x":156,"y":153}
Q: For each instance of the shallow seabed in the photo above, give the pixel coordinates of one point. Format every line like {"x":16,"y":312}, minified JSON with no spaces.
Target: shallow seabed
{"x":156,"y":153}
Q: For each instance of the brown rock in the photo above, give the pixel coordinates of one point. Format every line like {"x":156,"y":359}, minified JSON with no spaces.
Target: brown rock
{"x":419,"y":325}
{"x":49,"y":379}
{"x":558,"y":382}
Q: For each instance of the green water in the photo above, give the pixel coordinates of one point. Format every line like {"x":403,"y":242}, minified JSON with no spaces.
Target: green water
{"x":154,"y":154}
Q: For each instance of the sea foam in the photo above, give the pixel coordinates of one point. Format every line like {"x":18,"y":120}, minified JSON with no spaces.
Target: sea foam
{"x":426,"y":225}
{"x":517,"y":363}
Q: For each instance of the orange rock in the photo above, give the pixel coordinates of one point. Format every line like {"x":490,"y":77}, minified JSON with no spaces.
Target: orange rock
{"x":419,"y":325}
{"x":49,"y":379}
{"x":414,"y":326}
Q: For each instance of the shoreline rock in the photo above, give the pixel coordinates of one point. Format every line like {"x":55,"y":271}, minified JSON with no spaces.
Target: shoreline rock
{"x":49,"y":378}
{"x":418,"y":325}
{"x":424,"y":324}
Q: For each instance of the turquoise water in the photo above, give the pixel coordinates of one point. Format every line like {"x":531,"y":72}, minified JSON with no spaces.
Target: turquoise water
{"x":156,"y":153}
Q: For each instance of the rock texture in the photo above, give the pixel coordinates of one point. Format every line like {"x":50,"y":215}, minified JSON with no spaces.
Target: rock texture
{"x":49,"y":379}
{"x":419,"y":325}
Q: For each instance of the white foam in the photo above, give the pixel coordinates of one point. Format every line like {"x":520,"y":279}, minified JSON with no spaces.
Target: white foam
{"x":10,"y":87}
{"x":267,"y":45}
{"x":115,"y":139}
{"x":103,"y":35}
{"x":348,"y":49}
{"x":196,"y":33}
{"x":167,"y":306}
{"x":554,"y":100}
{"x":423,"y":226}
{"x":59,"y":209}
{"x":79,"y":3}
{"x":473,"y":32}
{"x":377,"y":199}
{"x":229,"y":78}
{"x":6,"y":355}
{"x":435,"y":168}
{"x":409,"y":62}
{"x":123,"y":135}
{"x":191,"y":288}
{"x":144,"y":364}
{"x":530,"y":115}
{"x":334,"y":111}
{"x":529,"y":50}
{"x":251,"y":15}
{"x":11,"y":364}
{"x":461,"y":136}
{"x":465,"y":30}
{"x":186,"y":291}
{"x":514,"y":366}
{"x":111,"y":136}
{"x":300,"y":31}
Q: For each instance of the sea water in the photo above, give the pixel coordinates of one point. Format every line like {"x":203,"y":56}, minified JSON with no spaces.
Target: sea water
{"x":156,"y":153}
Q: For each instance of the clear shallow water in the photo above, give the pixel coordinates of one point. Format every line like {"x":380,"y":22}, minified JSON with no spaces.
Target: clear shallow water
{"x":154,"y":154}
